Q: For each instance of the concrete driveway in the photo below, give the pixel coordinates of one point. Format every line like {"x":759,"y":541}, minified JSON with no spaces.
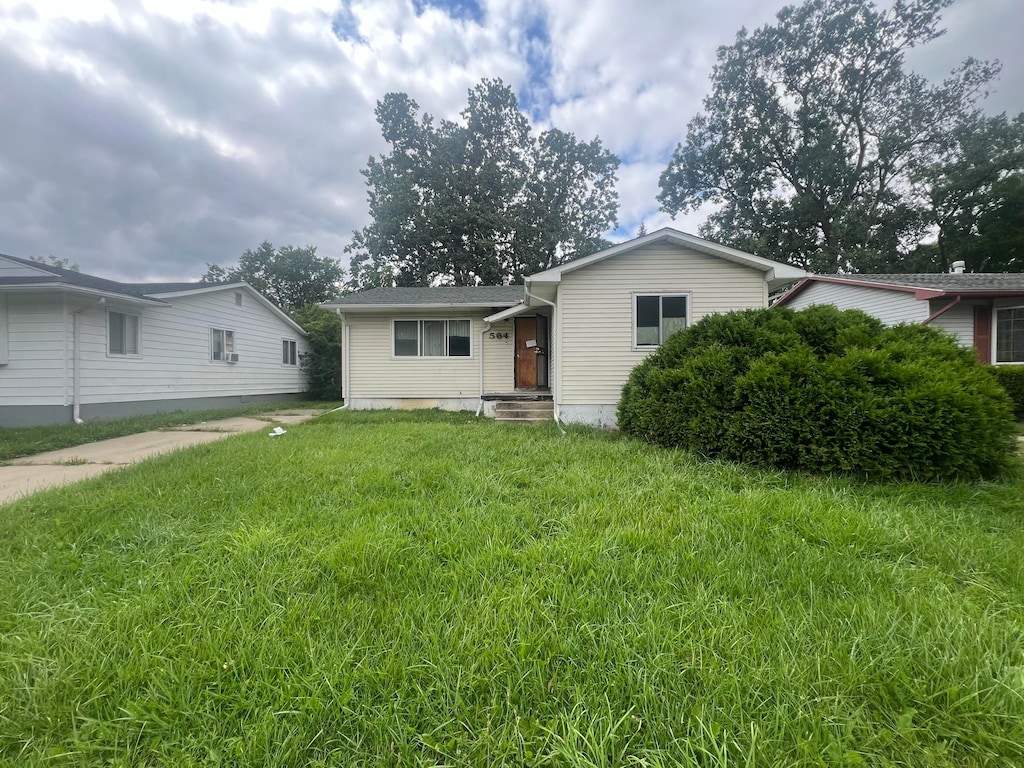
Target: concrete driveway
{"x":20,"y":477}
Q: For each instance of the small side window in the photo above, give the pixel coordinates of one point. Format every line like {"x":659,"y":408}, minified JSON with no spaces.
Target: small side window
{"x":222,"y":345}
{"x":122,"y":334}
{"x":289,"y":352}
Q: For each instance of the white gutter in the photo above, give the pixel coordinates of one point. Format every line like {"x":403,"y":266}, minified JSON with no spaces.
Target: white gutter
{"x":487,"y":327}
{"x":551,"y":339}
{"x":76,"y":380}
{"x":346,"y":364}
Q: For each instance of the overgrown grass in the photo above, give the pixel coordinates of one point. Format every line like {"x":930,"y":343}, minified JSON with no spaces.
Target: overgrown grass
{"x":16,"y":442}
{"x":391,"y":589}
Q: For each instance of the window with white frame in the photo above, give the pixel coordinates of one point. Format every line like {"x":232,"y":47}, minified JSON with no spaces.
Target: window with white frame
{"x":122,"y":334}
{"x":1010,"y":335}
{"x":222,"y":344}
{"x":289,"y":352}
{"x":431,"y":338}
{"x":657,"y":317}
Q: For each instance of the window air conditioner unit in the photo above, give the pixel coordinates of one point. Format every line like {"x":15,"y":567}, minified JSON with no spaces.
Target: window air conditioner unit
{"x":232,"y":357}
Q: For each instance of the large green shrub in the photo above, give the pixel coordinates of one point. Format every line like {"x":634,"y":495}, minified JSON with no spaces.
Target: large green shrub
{"x":825,"y":391}
{"x":322,"y":364}
{"x":1012,"y":379}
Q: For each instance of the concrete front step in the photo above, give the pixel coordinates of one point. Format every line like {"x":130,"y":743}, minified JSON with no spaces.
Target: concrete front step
{"x":524,"y":411}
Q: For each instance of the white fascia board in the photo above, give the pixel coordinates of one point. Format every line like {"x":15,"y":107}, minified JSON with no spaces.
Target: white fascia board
{"x":346,"y":308}
{"x":76,"y":290}
{"x":505,"y":314}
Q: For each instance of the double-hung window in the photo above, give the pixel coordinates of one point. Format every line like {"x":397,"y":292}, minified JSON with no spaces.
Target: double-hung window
{"x":222,"y":344}
{"x":1010,"y":335}
{"x":431,"y":338}
{"x":289,"y":352}
{"x":658,"y":316}
{"x":122,"y":334}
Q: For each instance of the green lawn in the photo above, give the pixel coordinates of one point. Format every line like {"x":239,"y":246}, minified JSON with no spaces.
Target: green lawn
{"x":26,"y":441}
{"x":392,"y":589}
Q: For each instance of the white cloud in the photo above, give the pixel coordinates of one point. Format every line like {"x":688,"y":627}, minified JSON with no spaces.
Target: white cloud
{"x":144,"y":138}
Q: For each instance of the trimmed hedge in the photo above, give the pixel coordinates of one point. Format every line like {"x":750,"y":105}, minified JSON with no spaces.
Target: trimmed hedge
{"x":824,"y":391}
{"x":1012,"y":379}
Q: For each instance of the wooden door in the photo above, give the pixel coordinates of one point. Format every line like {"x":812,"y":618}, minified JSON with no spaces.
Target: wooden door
{"x":526,"y":352}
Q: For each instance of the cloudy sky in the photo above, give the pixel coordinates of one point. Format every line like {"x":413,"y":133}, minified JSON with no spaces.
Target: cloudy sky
{"x":143,"y":139}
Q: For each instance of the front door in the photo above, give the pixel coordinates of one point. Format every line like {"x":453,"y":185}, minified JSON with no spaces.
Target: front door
{"x":526,"y":352}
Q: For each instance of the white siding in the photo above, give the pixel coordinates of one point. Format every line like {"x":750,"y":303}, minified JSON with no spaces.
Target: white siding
{"x":38,"y":364}
{"x":958,"y":321}
{"x":174,"y":360}
{"x":374,"y":371}
{"x":891,"y":307}
{"x":595,"y":312}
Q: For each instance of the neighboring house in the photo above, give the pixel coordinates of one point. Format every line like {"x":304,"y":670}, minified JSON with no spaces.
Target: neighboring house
{"x":982,"y":310}
{"x":570,"y":335}
{"x":74,"y":346}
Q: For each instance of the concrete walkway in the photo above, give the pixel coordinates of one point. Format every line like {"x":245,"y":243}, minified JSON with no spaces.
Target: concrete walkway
{"x":20,"y":477}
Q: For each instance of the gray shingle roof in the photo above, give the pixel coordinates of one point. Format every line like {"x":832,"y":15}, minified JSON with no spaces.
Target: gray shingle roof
{"x":479,"y":296}
{"x":60,"y":276}
{"x":968,"y":281}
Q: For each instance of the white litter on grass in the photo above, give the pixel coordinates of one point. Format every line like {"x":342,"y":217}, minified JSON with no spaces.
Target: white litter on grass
{"x":277,"y":431}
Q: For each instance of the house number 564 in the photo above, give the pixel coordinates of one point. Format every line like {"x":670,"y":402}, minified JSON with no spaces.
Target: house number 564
{"x":497,"y":335}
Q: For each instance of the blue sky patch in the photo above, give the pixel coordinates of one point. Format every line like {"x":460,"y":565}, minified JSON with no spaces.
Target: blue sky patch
{"x":468,"y":10}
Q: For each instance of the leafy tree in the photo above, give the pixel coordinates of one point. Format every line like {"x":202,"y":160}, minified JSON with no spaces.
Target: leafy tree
{"x":481,"y":201}
{"x":288,"y":276}
{"x":53,"y":261}
{"x":322,"y":365}
{"x":813,"y":129}
{"x":974,"y":192}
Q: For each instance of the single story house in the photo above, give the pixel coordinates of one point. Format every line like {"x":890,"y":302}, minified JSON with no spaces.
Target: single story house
{"x":982,"y":310}
{"x":76,"y":347}
{"x":570,"y":335}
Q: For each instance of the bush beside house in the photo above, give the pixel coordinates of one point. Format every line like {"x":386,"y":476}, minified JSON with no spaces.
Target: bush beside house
{"x":1012,"y":379}
{"x":826,"y":391}
{"x":322,"y":365}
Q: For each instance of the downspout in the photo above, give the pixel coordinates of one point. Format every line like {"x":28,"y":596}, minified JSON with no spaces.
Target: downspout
{"x":76,"y":377}
{"x":487,"y":327}
{"x":944,"y":310}
{"x":551,"y":330}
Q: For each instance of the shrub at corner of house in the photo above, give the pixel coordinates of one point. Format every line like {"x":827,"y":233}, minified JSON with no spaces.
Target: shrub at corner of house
{"x":822,"y":390}
{"x":1011,"y":377}
{"x":322,"y":364}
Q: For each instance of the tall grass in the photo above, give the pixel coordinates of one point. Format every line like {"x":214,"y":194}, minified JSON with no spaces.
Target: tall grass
{"x":387,"y":589}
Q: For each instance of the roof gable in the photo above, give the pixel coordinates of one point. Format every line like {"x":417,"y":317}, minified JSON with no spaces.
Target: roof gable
{"x":776,"y":273}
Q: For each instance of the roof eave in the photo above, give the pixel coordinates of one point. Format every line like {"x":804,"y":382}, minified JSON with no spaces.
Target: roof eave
{"x":418,"y":306}
{"x":79,"y":290}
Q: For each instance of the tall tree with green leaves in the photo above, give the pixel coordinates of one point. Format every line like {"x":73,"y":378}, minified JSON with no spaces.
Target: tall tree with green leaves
{"x":479,"y":201}
{"x":974,"y":195}
{"x":813,"y":130}
{"x":290,"y":277}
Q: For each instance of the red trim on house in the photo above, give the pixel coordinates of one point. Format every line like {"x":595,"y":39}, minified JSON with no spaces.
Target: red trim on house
{"x":921,"y":294}
{"x":944,"y":310}
{"x":983,"y":333}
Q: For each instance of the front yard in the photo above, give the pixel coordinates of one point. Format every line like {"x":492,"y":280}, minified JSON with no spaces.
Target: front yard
{"x":428,"y":589}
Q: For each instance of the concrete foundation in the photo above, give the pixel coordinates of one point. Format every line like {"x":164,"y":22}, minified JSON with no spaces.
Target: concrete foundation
{"x":592,"y":415}
{"x":43,"y":415}
{"x":414,"y":404}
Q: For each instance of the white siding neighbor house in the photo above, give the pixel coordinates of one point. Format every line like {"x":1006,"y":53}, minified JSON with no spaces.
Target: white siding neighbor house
{"x":983,"y":310}
{"x":568,"y":337}
{"x":76,"y":347}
